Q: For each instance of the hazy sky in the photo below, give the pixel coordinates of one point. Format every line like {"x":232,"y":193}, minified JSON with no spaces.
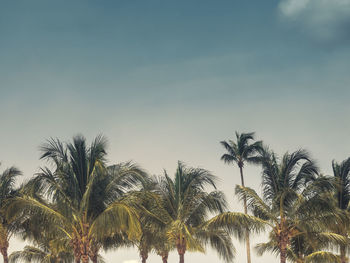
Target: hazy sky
{"x":167,"y":80}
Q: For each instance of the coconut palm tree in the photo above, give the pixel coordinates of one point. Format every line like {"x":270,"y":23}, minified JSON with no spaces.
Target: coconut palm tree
{"x":7,"y":192}
{"x":306,"y":247}
{"x":182,"y":205}
{"x":240,"y":152}
{"x":86,"y":199}
{"x":153,"y":234}
{"x":154,"y":237}
{"x":293,"y":202}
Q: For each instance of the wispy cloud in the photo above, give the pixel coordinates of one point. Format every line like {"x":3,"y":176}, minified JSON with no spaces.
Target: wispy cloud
{"x":325,"y":19}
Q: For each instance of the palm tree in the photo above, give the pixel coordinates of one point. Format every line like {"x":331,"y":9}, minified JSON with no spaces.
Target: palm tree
{"x":293,"y":202}
{"x":306,"y":247}
{"x":240,"y":152}
{"x":341,"y":173}
{"x":182,"y":206}
{"x":7,"y":192}
{"x":86,"y":199}
{"x":153,"y":238}
{"x":153,"y":235}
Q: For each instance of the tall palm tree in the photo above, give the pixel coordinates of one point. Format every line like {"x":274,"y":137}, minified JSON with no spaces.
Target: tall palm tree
{"x":7,"y":192}
{"x":293,"y":200}
{"x":341,"y":173}
{"x":183,"y":208}
{"x":86,"y":199}
{"x":240,"y":152}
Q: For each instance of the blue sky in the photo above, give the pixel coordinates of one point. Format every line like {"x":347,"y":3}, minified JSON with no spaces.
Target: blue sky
{"x":167,"y":80}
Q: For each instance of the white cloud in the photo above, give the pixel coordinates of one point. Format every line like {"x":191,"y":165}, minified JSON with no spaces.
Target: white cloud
{"x":324,"y":18}
{"x":130,"y":261}
{"x":293,"y":7}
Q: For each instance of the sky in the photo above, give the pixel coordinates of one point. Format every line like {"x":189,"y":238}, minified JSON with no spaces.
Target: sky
{"x":168,"y":80}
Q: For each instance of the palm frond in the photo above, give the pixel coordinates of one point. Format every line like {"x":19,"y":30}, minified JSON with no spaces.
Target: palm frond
{"x":322,"y":256}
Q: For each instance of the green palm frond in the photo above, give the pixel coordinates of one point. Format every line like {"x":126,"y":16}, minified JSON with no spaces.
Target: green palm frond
{"x":7,"y":186}
{"x":29,"y":254}
{"x":219,"y":240}
{"x":242,"y":150}
{"x":254,"y":202}
{"x":47,"y":213}
{"x":270,"y":246}
{"x":236,"y":223}
{"x":342,"y":173}
{"x":118,"y":217}
{"x":322,"y":256}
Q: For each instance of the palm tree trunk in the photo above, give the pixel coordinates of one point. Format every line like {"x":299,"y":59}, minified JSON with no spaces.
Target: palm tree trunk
{"x":85,"y":259}
{"x":181,"y":248}
{"x":85,"y":243}
{"x":144,"y":257}
{"x":76,"y":249}
{"x":242,"y":178}
{"x":93,"y":252}
{"x":94,"y":259}
{"x":246,"y":212}
{"x":342,"y":255}
{"x":283,"y":256}
{"x":4,"y":254}
{"x":4,"y":245}
{"x":165,"y":258}
{"x":283,"y":248}
{"x":182,"y":257}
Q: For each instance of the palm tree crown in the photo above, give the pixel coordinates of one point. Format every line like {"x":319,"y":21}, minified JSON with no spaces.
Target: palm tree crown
{"x":241,"y":150}
{"x":8,"y":191}
{"x":342,"y":173}
{"x":184,"y":207}
{"x":86,"y":199}
{"x":292,"y":202}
